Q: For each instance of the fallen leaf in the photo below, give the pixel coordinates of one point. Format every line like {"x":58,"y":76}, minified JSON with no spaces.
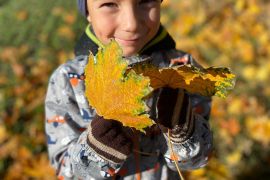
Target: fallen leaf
{"x":114,"y":94}
{"x":206,"y":82}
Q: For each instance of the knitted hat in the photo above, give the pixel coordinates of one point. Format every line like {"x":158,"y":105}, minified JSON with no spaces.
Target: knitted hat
{"x":82,"y":6}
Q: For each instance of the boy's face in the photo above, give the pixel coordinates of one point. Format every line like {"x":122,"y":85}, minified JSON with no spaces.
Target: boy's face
{"x":132,"y":23}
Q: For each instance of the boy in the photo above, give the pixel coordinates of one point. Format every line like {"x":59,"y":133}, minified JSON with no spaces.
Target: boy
{"x":83,"y":145}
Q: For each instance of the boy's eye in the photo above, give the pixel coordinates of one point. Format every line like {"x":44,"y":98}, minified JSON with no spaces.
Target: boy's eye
{"x":109,"y":4}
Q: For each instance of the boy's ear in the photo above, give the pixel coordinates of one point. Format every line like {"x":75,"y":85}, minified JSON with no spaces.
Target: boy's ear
{"x":88,"y":17}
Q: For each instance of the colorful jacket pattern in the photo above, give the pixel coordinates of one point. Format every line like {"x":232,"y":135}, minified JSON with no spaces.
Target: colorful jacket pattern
{"x":68,"y":115}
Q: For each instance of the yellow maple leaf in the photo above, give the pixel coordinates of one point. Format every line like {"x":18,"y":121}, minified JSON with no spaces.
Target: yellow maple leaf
{"x":114,"y":93}
{"x":206,"y":82}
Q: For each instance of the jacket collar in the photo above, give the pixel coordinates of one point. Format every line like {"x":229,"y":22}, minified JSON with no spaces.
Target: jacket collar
{"x":89,"y":42}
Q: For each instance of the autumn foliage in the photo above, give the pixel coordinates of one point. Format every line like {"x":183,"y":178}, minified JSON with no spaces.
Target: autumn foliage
{"x":107,"y":83}
{"x":37,"y":36}
{"x":109,"y":79}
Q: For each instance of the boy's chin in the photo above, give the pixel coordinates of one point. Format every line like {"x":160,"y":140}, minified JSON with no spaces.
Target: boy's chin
{"x":130,"y":51}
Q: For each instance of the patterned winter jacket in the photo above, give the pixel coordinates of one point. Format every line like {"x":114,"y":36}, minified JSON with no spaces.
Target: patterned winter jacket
{"x":68,"y":115}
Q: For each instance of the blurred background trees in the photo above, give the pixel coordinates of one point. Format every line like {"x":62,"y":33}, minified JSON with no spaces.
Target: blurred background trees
{"x":37,"y":36}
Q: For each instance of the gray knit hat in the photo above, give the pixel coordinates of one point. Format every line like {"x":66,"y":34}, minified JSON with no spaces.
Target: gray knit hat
{"x":82,"y":6}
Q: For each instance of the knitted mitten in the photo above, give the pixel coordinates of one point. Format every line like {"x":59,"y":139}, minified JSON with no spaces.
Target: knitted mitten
{"x":175,"y":113}
{"x":109,"y":139}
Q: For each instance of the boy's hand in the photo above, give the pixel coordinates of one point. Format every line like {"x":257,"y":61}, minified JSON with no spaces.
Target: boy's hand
{"x":175,"y":113}
{"x":109,"y":139}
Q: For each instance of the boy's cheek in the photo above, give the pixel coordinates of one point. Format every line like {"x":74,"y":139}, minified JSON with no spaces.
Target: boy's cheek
{"x":103,"y":34}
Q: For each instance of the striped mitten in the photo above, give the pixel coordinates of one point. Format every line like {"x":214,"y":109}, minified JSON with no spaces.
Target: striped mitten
{"x":109,"y":139}
{"x":175,"y":113}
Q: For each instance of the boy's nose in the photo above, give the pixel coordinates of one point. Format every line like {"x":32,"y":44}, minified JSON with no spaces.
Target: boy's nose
{"x":130,"y":20}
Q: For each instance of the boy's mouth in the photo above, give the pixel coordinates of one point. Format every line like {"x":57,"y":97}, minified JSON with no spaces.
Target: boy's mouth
{"x":127,"y":42}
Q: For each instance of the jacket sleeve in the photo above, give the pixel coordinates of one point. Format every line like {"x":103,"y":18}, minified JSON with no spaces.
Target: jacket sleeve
{"x":66,"y":131}
{"x":194,"y":152}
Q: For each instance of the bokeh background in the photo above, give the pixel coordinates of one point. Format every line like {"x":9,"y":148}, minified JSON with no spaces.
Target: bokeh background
{"x":37,"y":36}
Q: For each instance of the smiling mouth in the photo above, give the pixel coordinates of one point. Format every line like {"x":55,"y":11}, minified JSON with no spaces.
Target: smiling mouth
{"x":127,"y":42}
